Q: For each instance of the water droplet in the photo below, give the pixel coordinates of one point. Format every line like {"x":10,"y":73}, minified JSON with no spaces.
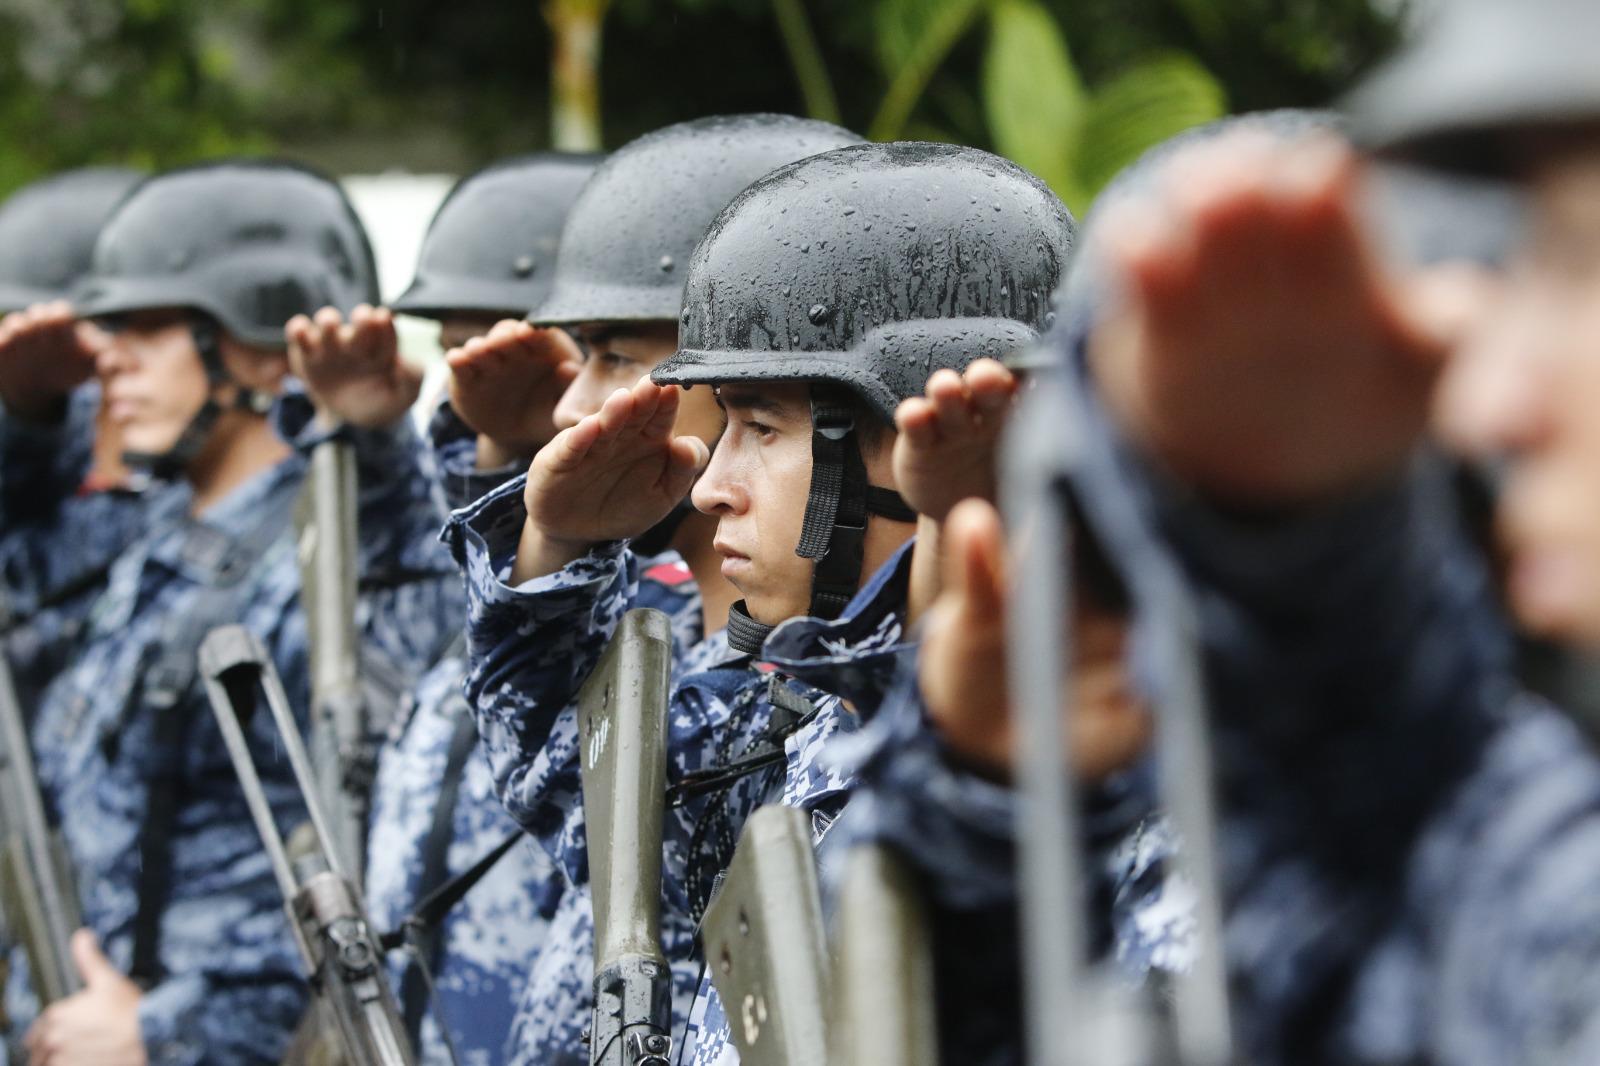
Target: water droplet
{"x":805,"y":249}
{"x":849,"y":211}
{"x":788,"y":290}
{"x":1005,"y":291}
{"x":523,"y":266}
{"x":667,"y":264}
{"x":819,"y":314}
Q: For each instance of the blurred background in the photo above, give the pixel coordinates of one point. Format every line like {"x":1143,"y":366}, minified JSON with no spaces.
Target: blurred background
{"x":399,"y":96}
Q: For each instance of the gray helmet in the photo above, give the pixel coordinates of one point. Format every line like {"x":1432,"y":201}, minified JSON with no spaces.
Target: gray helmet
{"x":871,"y":267}
{"x":862,"y":271}
{"x":491,"y":247}
{"x":249,"y":243}
{"x":629,"y":236}
{"x":48,"y":230}
{"x":1481,"y":69}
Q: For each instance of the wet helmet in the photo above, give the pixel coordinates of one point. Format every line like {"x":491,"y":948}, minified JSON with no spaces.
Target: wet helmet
{"x":48,"y":230}
{"x":627,"y":241}
{"x":1478,"y":70}
{"x":862,"y":271}
{"x":243,"y":245}
{"x":491,"y":247}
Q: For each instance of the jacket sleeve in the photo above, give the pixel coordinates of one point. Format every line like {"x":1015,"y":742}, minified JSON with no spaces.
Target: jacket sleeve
{"x":453,"y":461}
{"x":531,"y":646}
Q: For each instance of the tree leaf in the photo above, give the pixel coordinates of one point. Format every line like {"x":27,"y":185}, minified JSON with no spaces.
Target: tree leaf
{"x":914,"y":36}
{"x":1034,"y":99}
{"x":1140,"y":108}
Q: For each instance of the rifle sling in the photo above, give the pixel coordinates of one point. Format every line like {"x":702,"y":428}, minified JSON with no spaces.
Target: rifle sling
{"x":428,"y":943}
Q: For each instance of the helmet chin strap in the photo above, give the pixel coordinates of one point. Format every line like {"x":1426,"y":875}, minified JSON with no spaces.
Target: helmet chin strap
{"x":173,"y":463}
{"x":834,"y":531}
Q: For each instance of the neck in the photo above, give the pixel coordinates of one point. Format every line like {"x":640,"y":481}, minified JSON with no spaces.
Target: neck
{"x":693,"y":541}
{"x":241,"y":446}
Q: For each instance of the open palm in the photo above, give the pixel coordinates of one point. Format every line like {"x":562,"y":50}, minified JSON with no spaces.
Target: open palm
{"x":616,"y":473}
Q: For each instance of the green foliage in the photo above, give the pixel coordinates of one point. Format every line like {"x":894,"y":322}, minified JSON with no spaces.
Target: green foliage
{"x":357,"y":85}
{"x":1042,"y":117}
{"x":914,"y":37}
{"x":1035,"y":103}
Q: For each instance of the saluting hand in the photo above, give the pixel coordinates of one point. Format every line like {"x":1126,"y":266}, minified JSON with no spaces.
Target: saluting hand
{"x":1260,"y":351}
{"x":353,"y":370}
{"x":45,"y":353}
{"x":96,"y":1027}
{"x":505,"y":386}
{"x":961,"y":666}
{"x":612,"y":476}
{"x":949,"y":438}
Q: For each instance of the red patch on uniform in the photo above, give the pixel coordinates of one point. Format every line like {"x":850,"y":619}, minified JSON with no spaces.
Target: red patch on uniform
{"x":669,"y":574}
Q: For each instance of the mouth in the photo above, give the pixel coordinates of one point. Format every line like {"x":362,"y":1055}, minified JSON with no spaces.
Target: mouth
{"x":121,"y":410}
{"x":734,"y":562}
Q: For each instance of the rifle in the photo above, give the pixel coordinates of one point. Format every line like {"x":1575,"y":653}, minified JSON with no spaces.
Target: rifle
{"x":343,"y":746}
{"x":37,"y":895}
{"x":1048,"y":468}
{"x":622,"y":730}
{"x":324,"y":908}
{"x":765,"y":945}
{"x":885,"y":987}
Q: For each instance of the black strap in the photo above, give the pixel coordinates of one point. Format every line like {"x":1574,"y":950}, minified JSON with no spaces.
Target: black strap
{"x":174,"y":719}
{"x":433,"y":909}
{"x":745,"y":634}
{"x":790,"y":711}
{"x":834,"y":531}
{"x":428,"y":944}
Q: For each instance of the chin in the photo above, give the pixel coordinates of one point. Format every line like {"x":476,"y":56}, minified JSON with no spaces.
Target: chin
{"x":148,"y":440}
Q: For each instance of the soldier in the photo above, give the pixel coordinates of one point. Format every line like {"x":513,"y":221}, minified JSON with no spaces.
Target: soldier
{"x":187,"y":956}
{"x":1411,"y":870}
{"x":618,"y":285}
{"x":47,"y":234}
{"x":808,"y":326}
{"x":488,"y":255}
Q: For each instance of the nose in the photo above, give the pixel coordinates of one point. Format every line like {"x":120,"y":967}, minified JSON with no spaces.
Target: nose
{"x":583,"y":397}
{"x":1495,"y":395}
{"x":114,"y":354}
{"x":718,"y":491}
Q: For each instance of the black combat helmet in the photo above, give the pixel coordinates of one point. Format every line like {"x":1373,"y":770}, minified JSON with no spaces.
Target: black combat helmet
{"x":863,"y":271}
{"x":491,"y":248}
{"x":48,"y":230}
{"x":627,"y":241}
{"x":249,"y":243}
{"x":244,"y":246}
{"x":1478,"y":70}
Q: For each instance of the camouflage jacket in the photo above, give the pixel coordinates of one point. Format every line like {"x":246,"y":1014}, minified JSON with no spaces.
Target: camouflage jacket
{"x":1410,"y":845}
{"x":530,"y":648}
{"x":858,"y":658}
{"x":230,"y":986}
{"x":46,"y":592}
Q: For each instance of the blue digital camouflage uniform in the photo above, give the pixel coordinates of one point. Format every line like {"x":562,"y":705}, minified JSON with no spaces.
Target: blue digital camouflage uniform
{"x":45,"y":592}
{"x":527,"y":721}
{"x":489,"y":940}
{"x":531,"y":648}
{"x":859,"y":658}
{"x":1412,"y":846}
{"x":231,"y":986}
{"x":1410,"y":843}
